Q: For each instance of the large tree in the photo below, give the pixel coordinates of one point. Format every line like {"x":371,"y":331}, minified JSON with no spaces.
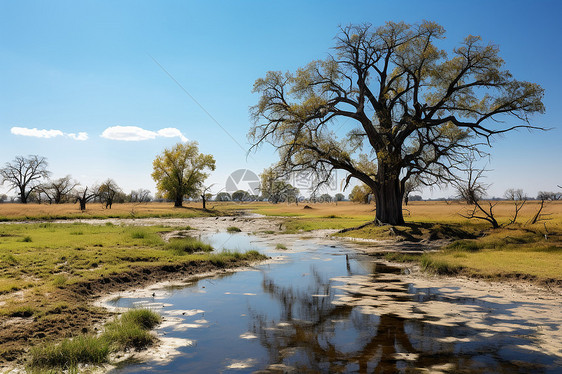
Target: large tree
{"x":23,"y":174}
{"x":179,"y":172}
{"x":412,"y":108}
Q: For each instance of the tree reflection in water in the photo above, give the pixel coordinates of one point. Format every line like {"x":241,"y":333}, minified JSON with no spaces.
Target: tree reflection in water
{"x":316,"y":334}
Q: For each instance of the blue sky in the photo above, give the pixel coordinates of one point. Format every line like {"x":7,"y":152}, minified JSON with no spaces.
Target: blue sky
{"x":87,"y":67}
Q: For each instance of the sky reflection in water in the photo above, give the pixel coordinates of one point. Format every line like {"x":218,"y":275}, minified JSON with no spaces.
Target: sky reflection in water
{"x":327,"y":309}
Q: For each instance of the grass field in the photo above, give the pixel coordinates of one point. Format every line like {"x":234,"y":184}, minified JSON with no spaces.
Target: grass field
{"x":41,"y":212}
{"x":518,"y":250}
{"x":49,"y":272}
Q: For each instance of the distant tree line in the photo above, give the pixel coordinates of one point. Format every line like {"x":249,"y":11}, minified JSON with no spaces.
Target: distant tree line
{"x":30,"y":178}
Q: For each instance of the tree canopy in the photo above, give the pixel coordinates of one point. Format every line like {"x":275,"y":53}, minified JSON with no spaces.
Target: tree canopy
{"x":24,"y":175}
{"x":274,"y":189}
{"x":409,"y":108}
{"x":179,"y":172}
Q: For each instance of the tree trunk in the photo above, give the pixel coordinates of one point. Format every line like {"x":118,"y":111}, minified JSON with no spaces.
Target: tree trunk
{"x":203,"y":198}
{"x":82,"y":204}
{"x":388,"y":198}
{"x":23,"y":196}
{"x":179,"y":201}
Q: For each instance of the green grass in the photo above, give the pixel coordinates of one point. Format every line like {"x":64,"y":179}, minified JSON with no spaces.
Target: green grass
{"x":295,"y":225}
{"x":85,"y":349}
{"x":131,"y":330}
{"x":54,"y":269}
{"x":280,"y":246}
{"x":513,"y":252}
{"x":233,"y":229}
{"x":187,"y":245}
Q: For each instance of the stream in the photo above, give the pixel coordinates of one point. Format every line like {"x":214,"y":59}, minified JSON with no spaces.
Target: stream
{"x":321,"y":307}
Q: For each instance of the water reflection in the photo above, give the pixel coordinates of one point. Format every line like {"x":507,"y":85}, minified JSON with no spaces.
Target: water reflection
{"x":356,"y":331}
{"x":324,"y":309}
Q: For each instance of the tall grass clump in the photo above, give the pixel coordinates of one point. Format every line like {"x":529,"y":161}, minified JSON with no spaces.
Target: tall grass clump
{"x":233,"y":229}
{"x":131,"y":330}
{"x":465,"y":245}
{"x":139,"y":234}
{"x":187,"y":245}
{"x":86,"y":349}
{"x":438,"y":267}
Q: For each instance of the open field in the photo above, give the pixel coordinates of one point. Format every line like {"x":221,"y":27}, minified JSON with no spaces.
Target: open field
{"x":49,"y":273}
{"x":518,"y":250}
{"x":40,"y":212}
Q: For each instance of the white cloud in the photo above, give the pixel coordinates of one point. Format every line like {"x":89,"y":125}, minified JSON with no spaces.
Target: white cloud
{"x":135,"y":133}
{"x":80,"y":136}
{"x":171,"y":132}
{"x":46,"y":134}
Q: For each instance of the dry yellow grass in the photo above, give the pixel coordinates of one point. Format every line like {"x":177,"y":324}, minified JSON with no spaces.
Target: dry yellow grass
{"x":97,"y":210}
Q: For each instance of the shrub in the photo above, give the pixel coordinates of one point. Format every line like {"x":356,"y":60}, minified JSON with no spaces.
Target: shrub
{"x":233,"y":229}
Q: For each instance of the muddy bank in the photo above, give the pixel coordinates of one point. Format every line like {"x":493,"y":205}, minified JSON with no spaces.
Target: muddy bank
{"x":76,"y":313}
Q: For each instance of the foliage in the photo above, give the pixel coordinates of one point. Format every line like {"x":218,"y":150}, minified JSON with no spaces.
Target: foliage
{"x":241,"y":195}
{"x":360,"y":194}
{"x":275,"y":189}
{"x":223,"y":196}
{"x":179,"y":171}
{"x":108,"y":192}
{"x":416,"y":109}
{"x":59,"y":190}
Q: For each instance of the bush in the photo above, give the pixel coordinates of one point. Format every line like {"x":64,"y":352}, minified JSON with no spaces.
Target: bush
{"x":233,"y":229}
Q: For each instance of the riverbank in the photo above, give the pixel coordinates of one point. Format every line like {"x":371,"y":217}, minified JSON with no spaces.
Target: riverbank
{"x":47,"y":294}
{"x":50,"y":274}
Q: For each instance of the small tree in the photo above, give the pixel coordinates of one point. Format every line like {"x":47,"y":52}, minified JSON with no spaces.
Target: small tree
{"x":519,"y":199}
{"x":140,"y":196}
{"x":179,"y":172}
{"x":223,"y":196}
{"x":339,"y":197}
{"x":360,"y":194}
{"x":108,"y":193}
{"x":549,"y":196}
{"x":85,"y":195}
{"x":472,"y":190}
{"x":326,"y":198}
{"x":276,"y":190}
{"x":24,"y":175}
{"x":240,"y":195}
{"x":59,"y":190}
{"x":410,"y":186}
{"x":205,"y":195}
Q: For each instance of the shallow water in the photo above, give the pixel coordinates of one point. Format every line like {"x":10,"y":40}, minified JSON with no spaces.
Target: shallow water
{"x":323,"y":308}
